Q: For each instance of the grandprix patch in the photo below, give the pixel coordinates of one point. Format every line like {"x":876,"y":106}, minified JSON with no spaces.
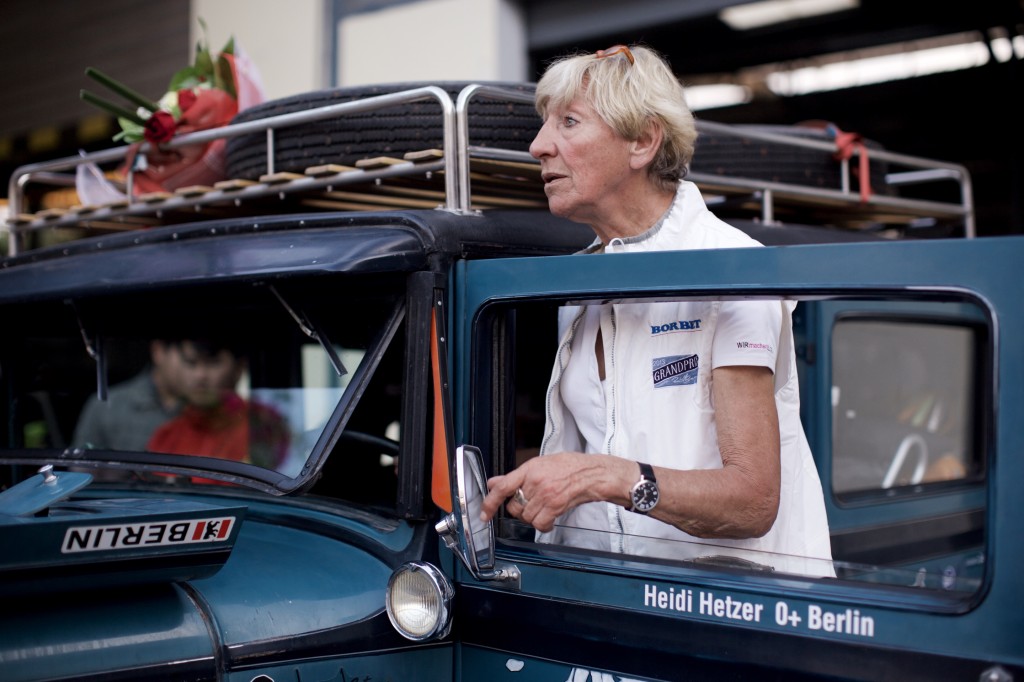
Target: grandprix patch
{"x":674,"y":370}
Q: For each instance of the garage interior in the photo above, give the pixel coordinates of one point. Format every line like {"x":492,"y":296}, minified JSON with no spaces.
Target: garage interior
{"x":968,"y":116}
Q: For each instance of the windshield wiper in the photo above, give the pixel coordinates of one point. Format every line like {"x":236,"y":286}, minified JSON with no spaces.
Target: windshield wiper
{"x":313,"y":331}
{"x":95,"y":349}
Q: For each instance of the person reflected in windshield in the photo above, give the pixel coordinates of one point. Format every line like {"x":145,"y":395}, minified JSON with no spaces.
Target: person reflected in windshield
{"x":135,"y":408}
{"x":216,"y":421}
{"x":675,"y":421}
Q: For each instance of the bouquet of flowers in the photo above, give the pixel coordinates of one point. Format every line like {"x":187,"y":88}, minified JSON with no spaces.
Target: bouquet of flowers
{"x":206,"y":94}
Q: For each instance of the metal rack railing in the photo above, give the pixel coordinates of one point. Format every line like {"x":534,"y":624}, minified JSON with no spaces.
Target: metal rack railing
{"x":454,"y":162}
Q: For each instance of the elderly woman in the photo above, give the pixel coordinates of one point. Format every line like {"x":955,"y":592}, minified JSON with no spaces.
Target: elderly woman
{"x":707,"y":447}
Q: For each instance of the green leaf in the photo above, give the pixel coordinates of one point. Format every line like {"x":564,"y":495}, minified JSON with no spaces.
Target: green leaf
{"x":189,"y":77}
{"x":224,"y":79}
{"x":130,"y":131}
{"x":204,"y":63}
{"x":207,"y":68}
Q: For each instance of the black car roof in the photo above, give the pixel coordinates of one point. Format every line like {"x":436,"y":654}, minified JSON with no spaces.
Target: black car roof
{"x":277,"y":246}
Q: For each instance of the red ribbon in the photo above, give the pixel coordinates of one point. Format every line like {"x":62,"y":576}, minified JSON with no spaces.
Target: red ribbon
{"x":846,"y":145}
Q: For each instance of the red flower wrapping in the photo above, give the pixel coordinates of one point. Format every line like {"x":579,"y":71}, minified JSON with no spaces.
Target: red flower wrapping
{"x":160,"y":127}
{"x":211,"y":109}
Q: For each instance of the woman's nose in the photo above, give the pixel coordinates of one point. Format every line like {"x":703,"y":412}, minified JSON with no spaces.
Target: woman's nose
{"x":541,"y":145}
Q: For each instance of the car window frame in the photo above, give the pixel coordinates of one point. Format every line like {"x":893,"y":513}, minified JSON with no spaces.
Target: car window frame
{"x":483,"y":431}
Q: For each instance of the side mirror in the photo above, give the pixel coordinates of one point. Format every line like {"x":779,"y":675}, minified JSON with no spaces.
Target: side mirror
{"x":463,"y":532}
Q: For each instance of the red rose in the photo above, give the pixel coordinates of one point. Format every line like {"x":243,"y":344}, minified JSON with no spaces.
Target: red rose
{"x":186,"y":98}
{"x":159,"y":127}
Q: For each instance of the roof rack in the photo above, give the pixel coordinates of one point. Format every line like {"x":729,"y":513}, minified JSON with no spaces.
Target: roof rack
{"x":458,"y":177}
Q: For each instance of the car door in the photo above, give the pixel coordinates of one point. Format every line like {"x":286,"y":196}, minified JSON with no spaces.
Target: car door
{"x":894,"y":603}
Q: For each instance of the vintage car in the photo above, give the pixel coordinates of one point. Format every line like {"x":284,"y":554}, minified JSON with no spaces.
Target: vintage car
{"x":392,"y":323}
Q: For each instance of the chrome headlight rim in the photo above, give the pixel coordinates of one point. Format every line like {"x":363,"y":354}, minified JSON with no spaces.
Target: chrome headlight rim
{"x":438,"y":585}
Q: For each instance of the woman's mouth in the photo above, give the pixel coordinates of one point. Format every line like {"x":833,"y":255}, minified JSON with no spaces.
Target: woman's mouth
{"x":550,"y":178}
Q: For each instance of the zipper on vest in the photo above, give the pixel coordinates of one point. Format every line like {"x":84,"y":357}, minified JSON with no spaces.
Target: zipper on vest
{"x":566,"y":345}
{"x":610,"y":436}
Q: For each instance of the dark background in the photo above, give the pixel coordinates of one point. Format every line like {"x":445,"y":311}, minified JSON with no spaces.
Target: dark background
{"x":970,"y":117}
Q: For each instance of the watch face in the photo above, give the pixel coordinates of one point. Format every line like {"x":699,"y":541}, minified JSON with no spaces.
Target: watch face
{"x":645,"y":496}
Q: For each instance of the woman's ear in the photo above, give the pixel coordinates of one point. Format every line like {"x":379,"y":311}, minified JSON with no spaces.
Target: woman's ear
{"x":646,"y":147}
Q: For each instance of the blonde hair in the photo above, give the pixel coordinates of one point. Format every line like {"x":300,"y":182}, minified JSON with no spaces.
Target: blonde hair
{"x":628,"y":95}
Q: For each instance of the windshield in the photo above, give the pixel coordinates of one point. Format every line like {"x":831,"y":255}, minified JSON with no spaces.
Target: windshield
{"x":249,"y":382}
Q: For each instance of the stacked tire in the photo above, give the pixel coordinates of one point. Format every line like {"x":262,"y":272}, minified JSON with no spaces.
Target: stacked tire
{"x":398,"y":129}
{"x":392,"y":131}
{"x":742,"y":156}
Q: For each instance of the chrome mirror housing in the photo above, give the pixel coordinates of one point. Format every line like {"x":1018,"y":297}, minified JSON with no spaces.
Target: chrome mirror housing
{"x":471,"y":539}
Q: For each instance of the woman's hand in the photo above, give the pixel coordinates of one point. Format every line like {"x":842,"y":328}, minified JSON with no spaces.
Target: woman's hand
{"x":556,"y":483}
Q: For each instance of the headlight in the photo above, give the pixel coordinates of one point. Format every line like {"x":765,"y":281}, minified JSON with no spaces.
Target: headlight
{"x":419,"y":602}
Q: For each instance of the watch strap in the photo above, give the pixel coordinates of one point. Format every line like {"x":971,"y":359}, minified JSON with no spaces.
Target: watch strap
{"x":647,"y":472}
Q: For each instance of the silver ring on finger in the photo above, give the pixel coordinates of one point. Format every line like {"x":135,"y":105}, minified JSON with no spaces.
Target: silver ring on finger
{"x":520,"y":497}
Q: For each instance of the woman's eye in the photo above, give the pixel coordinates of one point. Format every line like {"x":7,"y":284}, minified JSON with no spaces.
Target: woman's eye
{"x":569,"y":121}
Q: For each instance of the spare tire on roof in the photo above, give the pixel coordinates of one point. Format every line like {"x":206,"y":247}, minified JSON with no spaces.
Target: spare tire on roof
{"x":391,"y":131}
{"x":746,"y":157}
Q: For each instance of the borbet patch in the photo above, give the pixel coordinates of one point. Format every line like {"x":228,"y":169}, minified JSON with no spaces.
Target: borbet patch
{"x":674,"y":370}
{"x":123,"y":536}
{"x":676,"y":326}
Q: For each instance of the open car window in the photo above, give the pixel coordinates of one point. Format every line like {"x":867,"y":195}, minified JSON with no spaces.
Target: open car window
{"x":246,"y":383}
{"x":900,"y":516}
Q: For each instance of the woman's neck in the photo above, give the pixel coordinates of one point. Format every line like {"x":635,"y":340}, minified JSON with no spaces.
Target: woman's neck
{"x":634,"y":216}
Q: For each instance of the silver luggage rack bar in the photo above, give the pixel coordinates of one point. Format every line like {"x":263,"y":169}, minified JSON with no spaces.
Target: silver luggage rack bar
{"x":271,"y":184}
{"x":918,"y":171}
{"x":454,"y":164}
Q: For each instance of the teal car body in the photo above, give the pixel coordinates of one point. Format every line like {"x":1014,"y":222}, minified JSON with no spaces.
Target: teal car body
{"x":405,"y":354}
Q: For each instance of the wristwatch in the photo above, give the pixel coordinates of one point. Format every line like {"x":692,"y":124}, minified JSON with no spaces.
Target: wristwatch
{"x":644,"y":494}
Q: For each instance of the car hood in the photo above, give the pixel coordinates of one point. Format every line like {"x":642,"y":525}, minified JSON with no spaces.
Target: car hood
{"x":293,"y":580}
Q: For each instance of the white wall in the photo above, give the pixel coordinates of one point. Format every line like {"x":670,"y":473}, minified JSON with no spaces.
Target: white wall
{"x":425,"y":40}
{"x":433,"y":40}
{"x":283,"y":39}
